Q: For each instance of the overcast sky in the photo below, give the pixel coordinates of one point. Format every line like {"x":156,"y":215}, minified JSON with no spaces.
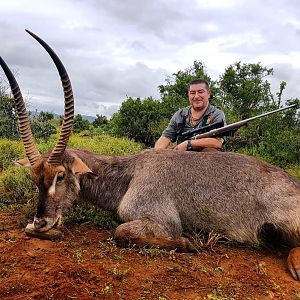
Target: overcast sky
{"x":116,"y":49}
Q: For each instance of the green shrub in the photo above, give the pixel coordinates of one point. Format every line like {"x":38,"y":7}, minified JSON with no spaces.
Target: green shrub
{"x":295,"y":171}
{"x":42,"y":130}
{"x":87,"y":213}
{"x":10,"y":151}
{"x":45,"y":146}
{"x":16,"y":186}
{"x":105,"y":144}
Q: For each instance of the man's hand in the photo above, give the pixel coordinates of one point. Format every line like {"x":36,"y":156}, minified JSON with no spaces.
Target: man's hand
{"x":181,"y":147}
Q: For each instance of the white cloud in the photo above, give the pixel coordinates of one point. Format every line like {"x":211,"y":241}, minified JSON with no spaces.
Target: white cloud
{"x":114,"y":49}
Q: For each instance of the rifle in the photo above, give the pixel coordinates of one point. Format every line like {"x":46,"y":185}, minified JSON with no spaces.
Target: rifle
{"x":230,"y":129}
{"x":203,"y":129}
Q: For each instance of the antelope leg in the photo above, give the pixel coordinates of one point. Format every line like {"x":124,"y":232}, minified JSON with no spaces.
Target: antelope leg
{"x":146,"y":233}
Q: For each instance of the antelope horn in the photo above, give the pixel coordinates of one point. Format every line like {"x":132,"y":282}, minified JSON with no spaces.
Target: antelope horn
{"x":57,"y":152}
{"x":23,"y":120}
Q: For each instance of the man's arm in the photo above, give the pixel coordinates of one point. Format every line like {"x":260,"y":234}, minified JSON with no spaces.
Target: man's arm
{"x":199,"y":144}
{"x":162,"y":143}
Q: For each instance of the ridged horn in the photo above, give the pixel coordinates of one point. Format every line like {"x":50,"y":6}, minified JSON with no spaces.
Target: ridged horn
{"x":23,"y":120}
{"x":57,"y":152}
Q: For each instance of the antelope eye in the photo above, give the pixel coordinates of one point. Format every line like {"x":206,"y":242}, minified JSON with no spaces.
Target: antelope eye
{"x":60,"y":176}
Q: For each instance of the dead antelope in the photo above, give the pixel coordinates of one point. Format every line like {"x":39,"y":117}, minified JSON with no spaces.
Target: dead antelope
{"x":159,"y":193}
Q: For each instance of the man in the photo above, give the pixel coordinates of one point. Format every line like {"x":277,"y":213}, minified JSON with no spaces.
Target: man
{"x":200,"y":113}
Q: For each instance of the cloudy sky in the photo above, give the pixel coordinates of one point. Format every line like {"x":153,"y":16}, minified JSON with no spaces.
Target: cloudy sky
{"x":115,"y":49}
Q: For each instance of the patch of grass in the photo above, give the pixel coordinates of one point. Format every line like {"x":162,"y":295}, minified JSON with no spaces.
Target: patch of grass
{"x":78,"y":255}
{"x":109,"y":247}
{"x":120,"y":274}
{"x":163,"y":298}
{"x":46,"y":146}
{"x":105,"y":144}
{"x":107,"y":290}
{"x":87,"y":213}
{"x":218,"y":294}
{"x":155,"y":252}
{"x":294,"y":171}
{"x":118,"y":258}
{"x":202,"y":240}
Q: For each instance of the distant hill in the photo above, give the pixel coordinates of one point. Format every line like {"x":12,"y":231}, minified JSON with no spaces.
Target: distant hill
{"x":89,"y":118}
{"x":35,"y":114}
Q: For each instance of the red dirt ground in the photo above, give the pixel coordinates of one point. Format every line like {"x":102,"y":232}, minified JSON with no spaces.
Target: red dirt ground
{"x":86,"y":264}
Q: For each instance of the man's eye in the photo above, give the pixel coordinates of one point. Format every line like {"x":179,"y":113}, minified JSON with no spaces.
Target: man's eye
{"x":60,"y":177}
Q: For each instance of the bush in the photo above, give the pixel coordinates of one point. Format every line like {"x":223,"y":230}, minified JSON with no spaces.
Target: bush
{"x":105,"y":144}
{"x":294,"y":171}
{"x":10,"y":151}
{"x":80,"y":124}
{"x":137,"y":120}
{"x":16,"y":186}
{"x":42,"y":130}
{"x":8,"y":117}
{"x":86,"y":213}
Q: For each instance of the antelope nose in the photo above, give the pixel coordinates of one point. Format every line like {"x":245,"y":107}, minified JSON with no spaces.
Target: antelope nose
{"x":39,"y":223}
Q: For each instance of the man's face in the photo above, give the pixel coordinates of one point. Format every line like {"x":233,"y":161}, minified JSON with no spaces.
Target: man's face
{"x":198,"y":96}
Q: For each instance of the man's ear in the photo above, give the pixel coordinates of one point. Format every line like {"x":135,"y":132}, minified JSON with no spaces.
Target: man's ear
{"x":24,"y":162}
{"x":78,"y":166}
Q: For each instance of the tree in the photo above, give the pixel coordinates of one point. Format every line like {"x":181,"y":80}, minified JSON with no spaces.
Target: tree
{"x":243,"y":90}
{"x":8,"y":118}
{"x":45,"y":116}
{"x":137,"y":119}
{"x":174,"y":93}
{"x":42,"y":129}
{"x":100,"y":121}
{"x":80,"y":124}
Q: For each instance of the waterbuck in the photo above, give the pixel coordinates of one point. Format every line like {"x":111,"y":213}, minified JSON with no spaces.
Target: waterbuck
{"x":160,"y":193}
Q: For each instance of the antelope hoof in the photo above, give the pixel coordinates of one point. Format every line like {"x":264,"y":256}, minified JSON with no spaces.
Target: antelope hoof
{"x":293,"y":263}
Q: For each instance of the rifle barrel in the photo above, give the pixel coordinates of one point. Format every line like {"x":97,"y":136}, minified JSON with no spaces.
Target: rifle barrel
{"x":236,"y":125}
{"x":271,"y":112}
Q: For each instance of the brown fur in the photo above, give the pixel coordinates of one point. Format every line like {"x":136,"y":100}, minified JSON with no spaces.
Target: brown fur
{"x":160,"y":193}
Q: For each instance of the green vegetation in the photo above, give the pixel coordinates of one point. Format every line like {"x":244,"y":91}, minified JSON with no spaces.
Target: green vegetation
{"x":83,"y":213}
{"x":10,"y":151}
{"x":8,"y":118}
{"x":80,"y":124}
{"x":242,"y":91}
{"x":105,"y":144}
{"x":16,"y":187}
{"x":138,"y":120}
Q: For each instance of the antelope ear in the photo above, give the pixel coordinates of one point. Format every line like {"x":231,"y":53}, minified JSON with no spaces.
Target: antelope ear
{"x":24,"y":162}
{"x":78,"y":166}
{"x":91,"y":175}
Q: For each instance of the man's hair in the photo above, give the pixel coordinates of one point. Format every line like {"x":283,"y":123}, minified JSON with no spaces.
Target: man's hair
{"x":198,"y":81}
